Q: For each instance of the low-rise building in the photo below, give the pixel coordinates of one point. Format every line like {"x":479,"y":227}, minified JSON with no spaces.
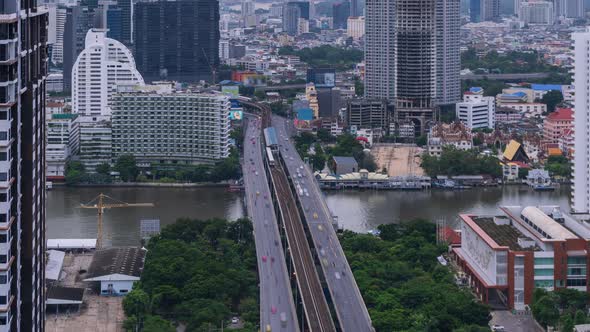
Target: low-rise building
{"x":58,"y":149}
{"x":454,"y":134}
{"x":91,"y":139}
{"x":506,"y":256}
{"x":367,"y":113}
{"x":344,"y":165}
{"x":159,"y":125}
{"x":528,"y":110}
{"x":116,"y":269}
{"x":557,"y":123}
{"x":476,"y":111}
{"x":356,"y":27}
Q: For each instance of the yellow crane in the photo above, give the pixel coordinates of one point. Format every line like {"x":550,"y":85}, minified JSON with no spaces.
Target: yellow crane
{"x":99,"y":203}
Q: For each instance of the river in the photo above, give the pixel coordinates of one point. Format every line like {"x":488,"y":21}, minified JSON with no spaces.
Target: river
{"x":356,"y":210}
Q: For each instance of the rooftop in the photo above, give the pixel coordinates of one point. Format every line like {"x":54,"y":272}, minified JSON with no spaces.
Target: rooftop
{"x":504,"y":235}
{"x":64,"y":295}
{"x":563,"y":114}
{"x":126,"y":261}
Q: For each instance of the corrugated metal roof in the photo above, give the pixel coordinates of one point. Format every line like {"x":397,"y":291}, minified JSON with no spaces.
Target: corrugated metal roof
{"x":547,"y":224}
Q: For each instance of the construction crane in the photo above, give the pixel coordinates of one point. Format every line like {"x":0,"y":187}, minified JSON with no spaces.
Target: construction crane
{"x":99,"y":203}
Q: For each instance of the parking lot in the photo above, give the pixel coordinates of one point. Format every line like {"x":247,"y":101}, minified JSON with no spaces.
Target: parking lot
{"x":515,"y":323}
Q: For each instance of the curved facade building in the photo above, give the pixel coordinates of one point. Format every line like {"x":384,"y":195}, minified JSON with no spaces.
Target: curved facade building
{"x":103,"y":64}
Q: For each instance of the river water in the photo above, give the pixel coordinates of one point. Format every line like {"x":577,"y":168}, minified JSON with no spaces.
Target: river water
{"x":356,"y":210}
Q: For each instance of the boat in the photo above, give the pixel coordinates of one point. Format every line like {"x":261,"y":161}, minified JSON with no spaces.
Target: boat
{"x":543,"y":187}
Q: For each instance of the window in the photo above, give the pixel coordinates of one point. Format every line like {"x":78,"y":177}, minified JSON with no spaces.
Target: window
{"x":3,"y":237}
{"x":543,"y":261}
{"x":571,"y":260}
{"x":3,"y":299}
{"x":3,"y":278}
{"x":576,"y":282}
{"x":543,"y":283}
{"x":543,"y":272}
{"x":3,"y":259}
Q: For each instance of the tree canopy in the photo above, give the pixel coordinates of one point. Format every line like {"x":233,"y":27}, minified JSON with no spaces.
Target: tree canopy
{"x":404,"y":287}
{"x":453,"y":161}
{"x":198,"y":273}
{"x":326,"y":56}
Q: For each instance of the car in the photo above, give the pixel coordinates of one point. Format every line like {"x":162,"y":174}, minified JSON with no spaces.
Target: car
{"x":258,"y":193}
{"x":321,"y":228}
{"x":264,"y":259}
{"x":283,"y":319}
{"x":235,"y":320}
{"x":273,"y":309}
{"x":497,"y":328}
{"x":268,"y":328}
{"x":325,"y":262}
{"x":315,"y":215}
{"x":322,"y":252}
{"x":337,"y":275}
{"x":256,"y":173}
{"x":272,"y":259}
{"x":301,"y":166}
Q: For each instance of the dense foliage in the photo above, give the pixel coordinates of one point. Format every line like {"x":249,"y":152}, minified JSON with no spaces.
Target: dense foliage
{"x":199,"y":273}
{"x":453,"y":161}
{"x":345,"y":146}
{"x":562,"y":308}
{"x":558,"y":166}
{"x":510,"y":62}
{"x":403,"y":285}
{"x":326,"y":56}
{"x":552,"y":99}
{"x":75,"y":173}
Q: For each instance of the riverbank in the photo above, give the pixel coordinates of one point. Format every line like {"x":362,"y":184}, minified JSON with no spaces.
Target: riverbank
{"x":147,"y":184}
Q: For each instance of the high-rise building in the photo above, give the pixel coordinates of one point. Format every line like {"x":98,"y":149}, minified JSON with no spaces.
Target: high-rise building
{"x":569,"y":8}
{"x":57,"y":50}
{"x":356,"y":27}
{"x":484,"y":10}
{"x":176,"y":127}
{"x":357,"y":8}
{"x":536,"y":12}
{"x":416,"y":69}
{"x":581,"y":168}
{"x":340,"y":14}
{"x":102,"y":65}
{"x":168,"y":44}
{"x":448,"y":54}
{"x":380,"y":50}
{"x":127,"y":7}
{"x":114,"y":24}
{"x":78,"y":21}
{"x":412,"y":56}
{"x":23,"y":68}
{"x":291,"y":16}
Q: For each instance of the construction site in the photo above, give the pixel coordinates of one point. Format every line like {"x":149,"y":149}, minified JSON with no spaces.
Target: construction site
{"x":86,"y":281}
{"x":398,"y":159}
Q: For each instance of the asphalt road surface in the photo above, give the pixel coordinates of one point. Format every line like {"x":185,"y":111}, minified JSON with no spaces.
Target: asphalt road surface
{"x":276,"y":298}
{"x":347,"y":300}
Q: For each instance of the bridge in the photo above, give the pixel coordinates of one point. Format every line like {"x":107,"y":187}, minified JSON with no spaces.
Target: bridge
{"x":322,"y":279}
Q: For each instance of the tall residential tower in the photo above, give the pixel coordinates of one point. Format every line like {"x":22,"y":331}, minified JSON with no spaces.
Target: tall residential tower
{"x":23,"y":69}
{"x":581,"y":168}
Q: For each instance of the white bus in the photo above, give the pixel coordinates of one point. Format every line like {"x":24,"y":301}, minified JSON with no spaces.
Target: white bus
{"x":271,"y":159}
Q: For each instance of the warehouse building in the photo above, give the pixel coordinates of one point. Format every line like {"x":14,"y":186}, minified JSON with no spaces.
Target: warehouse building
{"x":505,"y":257}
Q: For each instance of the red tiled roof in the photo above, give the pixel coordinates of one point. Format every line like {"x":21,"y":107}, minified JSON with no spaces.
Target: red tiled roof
{"x":54,"y":104}
{"x":561,"y":114}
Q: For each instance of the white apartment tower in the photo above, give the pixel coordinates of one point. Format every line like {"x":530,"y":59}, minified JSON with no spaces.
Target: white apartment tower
{"x":101,"y":66}
{"x":581,"y":168}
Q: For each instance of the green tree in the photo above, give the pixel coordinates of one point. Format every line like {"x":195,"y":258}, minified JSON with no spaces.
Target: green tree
{"x":104,"y":169}
{"x":421,"y":140}
{"x":552,"y":99}
{"x":157,"y":324}
{"x":74,"y":172}
{"x":580,"y":317}
{"x":545,"y":311}
{"x":136,"y":303}
{"x":127,"y":167}
{"x":359,"y":87}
